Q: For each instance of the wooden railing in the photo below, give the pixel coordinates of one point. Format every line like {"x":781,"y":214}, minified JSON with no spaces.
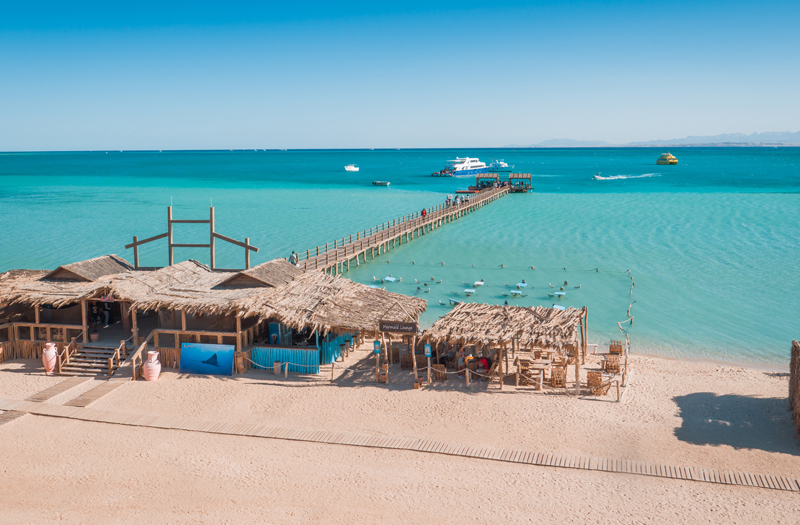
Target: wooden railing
{"x":67,"y":352}
{"x":14,"y":331}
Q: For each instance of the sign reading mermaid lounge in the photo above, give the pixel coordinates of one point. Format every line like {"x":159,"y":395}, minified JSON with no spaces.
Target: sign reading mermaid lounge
{"x":197,"y":358}
{"x":397,"y":327}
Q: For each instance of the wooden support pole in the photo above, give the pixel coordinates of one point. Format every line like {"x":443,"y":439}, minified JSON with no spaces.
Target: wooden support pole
{"x":83,"y":322}
{"x":135,"y":252}
{"x":134,"y":328}
{"x":169,"y":234}
{"x":211,"y":239}
{"x":239,"y":333}
{"x":247,"y":253}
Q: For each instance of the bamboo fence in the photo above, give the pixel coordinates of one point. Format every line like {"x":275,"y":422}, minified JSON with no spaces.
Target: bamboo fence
{"x":794,"y":384}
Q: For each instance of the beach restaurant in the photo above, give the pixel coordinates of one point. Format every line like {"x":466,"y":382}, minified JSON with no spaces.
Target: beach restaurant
{"x":543,"y":341}
{"x":271,"y":312}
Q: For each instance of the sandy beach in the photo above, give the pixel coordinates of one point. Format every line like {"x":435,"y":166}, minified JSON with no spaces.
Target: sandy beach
{"x":680,"y":413}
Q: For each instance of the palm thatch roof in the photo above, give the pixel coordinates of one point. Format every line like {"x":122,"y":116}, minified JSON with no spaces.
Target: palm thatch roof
{"x":275,"y":289}
{"x":272,"y":273}
{"x":323,"y":302}
{"x":90,"y":269}
{"x":538,"y":326}
{"x":32,"y":288}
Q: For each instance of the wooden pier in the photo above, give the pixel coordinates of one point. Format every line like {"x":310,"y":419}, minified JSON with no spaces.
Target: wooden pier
{"x":335,"y":258}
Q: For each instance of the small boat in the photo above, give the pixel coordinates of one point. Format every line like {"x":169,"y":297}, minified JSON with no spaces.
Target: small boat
{"x":351,"y":167}
{"x":597,"y":177}
{"x":469,"y":291}
{"x":498,"y":166}
{"x":453,"y":302}
{"x":479,"y":283}
{"x":380,"y":183}
{"x":667,"y":159}
{"x":467,"y":191}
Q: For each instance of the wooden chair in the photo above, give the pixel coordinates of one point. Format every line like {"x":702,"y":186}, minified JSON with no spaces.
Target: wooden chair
{"x":615,"y":347}
{"x":558,"y":377}
{"x":439,"y":373}
{"x":594,"y":380}
{"x":611,"y":364}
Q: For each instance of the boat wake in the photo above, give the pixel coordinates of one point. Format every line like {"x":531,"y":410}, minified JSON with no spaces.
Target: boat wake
{"x":619,"y":177}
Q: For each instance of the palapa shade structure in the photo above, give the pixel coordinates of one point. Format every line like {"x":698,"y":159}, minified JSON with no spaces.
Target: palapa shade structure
{"x":272,"y":290}
{"x":486,"y":324}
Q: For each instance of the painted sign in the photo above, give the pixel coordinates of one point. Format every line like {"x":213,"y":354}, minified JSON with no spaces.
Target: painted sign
{"x":198,"y":358}
{"x":427,"y":350}
{"x":376,"y":347}
{"x":397,"y":327}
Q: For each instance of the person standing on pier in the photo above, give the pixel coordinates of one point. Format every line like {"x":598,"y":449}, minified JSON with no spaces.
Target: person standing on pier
{"x":293,"y":259}
{"x":424,"y":212}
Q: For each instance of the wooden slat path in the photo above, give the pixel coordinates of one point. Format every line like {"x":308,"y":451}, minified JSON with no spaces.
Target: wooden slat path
{"x":96,"y":393}
{"x":379,"y":239}
{"x":528,"y":457}
{"x":57,"y":389}
{"x":45,"y":395}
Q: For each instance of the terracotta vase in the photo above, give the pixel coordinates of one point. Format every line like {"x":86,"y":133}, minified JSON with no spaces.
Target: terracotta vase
{"x":152,"y":367}
{"x":49,"y":357}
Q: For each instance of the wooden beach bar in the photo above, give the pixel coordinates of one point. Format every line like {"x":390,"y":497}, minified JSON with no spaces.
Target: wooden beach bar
{"x":274,"y":308}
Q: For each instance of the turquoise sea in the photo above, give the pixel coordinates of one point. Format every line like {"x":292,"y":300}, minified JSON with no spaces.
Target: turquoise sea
{"x":712,"y":243}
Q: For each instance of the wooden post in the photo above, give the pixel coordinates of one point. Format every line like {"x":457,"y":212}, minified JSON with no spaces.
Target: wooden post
{"x":414,"y":356}
{"x":467,"y":375}
{"x":238,"y":333}
{"x":247,"y":253}
{"x":36,"y":315}
{"x":429,"y":370}
{"x":169,"y":233}
{"x":183,"y":319}
{"x":211,"y":239}
{"x":577,"y":374}
{"x":83,"y":322}
{"x":135,"y":252}
{"x":134,"y":328}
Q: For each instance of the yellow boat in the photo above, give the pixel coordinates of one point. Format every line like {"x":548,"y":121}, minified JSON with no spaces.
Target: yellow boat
{"x":667,"y":158}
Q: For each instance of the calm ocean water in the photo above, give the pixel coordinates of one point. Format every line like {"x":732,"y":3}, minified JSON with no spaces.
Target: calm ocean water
{"x":712,"y":243}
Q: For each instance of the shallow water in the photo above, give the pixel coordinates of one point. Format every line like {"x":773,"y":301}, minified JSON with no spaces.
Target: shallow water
{"x":711,"y":242}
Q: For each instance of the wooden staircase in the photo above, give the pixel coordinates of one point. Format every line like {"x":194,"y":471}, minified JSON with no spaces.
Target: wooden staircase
{"x":94,"y":360}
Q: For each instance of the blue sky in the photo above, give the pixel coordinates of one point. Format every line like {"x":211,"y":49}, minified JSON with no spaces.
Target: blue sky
{"x":162,"y":75}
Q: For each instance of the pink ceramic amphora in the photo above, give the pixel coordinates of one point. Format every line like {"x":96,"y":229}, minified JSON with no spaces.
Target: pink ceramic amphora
{"x":49,"y":357}
{"x":152,"y":367}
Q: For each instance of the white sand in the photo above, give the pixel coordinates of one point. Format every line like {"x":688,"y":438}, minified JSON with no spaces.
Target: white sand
{"x":689,"y":414}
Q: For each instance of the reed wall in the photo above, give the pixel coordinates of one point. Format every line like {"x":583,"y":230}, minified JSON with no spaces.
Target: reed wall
{"x":794,"y":385}
{"x":23,"y":350}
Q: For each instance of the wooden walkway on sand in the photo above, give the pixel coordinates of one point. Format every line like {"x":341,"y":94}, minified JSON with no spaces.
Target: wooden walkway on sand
{"x":44,"y":395}
{"x":336,"y":259}
{"x":526,"y":457}
{"x":97,"y":392}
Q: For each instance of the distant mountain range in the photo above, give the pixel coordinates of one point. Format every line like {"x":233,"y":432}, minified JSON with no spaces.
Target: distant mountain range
{"x":769,"y":138}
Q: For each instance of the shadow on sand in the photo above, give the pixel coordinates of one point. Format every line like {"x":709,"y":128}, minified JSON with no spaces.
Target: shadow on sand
{"x":741,"y":422}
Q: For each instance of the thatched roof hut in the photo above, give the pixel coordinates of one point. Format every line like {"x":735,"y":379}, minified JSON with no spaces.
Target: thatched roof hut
{"x":326,"y":303}
{"x":90,"y":269}
{"x":473,"y":323}
{"x":275,"y":289}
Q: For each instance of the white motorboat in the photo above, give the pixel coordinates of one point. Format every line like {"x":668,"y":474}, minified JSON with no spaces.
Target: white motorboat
{"x":462,"y":166}
{"x":499,"y":166}
{"x":351,"y":167}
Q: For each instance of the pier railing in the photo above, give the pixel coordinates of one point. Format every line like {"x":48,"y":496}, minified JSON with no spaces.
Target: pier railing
{"x":335,"y":257}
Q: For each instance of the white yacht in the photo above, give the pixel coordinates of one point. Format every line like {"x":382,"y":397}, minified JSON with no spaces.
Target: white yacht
{"x":351,"y":167}
{"x":467,"y":166}
{"x":498,"y":166}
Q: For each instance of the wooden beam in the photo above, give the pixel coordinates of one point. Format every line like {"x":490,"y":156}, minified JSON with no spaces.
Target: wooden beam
{"x":234,"y":241}
{"x":246,"y":253}
{"x":211,"y":238}
{"x":136,"y":242}
{"x":83,"y":322}
{"x":189,"y":246}
{"x":169,"y":234}
{"x":191,"y":222}
{"x":183,"y":319}
{"x":135,"y":252}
